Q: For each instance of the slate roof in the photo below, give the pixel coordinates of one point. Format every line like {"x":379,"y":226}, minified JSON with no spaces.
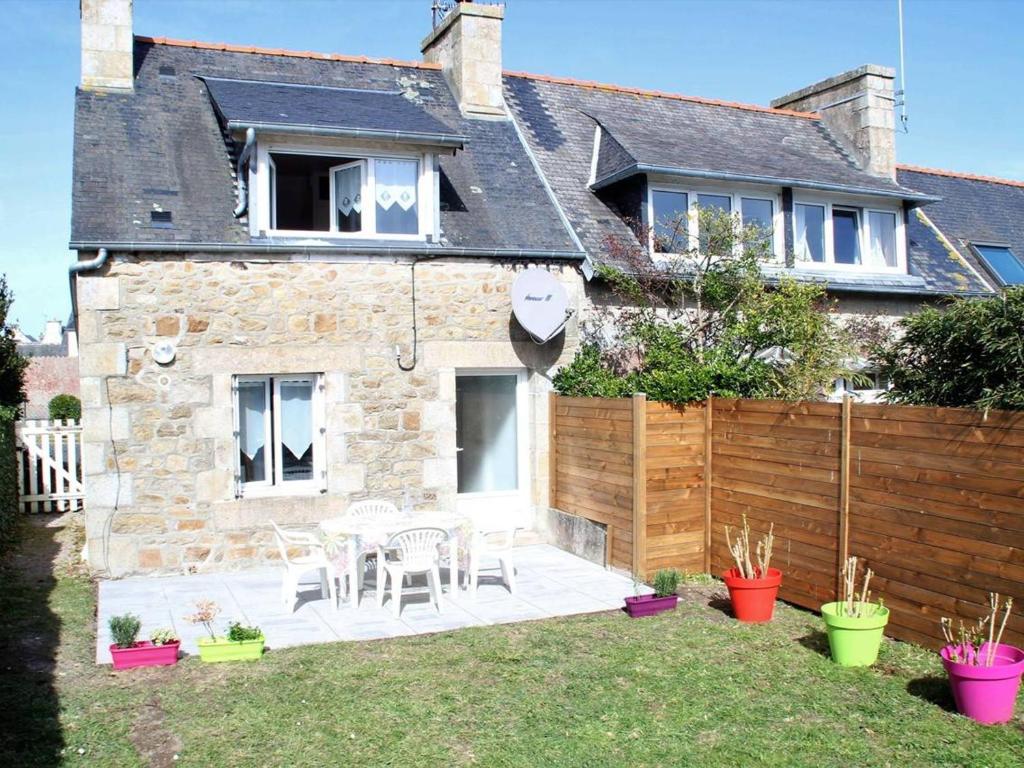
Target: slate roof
{"x":354,"y":112}
{"x":161,"y":148}
{"x":692,"y":138}
{"x":973,"y":209}
{"x":640,"y":128}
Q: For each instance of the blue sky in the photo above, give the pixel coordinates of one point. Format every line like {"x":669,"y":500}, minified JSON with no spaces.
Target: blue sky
{"x":964,"y":64}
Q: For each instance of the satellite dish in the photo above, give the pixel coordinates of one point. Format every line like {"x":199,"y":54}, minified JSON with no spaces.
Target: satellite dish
{"x":540,"y":304}
{"x":163,"y":352}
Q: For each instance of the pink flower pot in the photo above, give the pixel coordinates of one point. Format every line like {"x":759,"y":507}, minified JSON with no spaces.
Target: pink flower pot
{"x":648,"y":605}
{"x":145,"y":654}
{"x":986,"y":694}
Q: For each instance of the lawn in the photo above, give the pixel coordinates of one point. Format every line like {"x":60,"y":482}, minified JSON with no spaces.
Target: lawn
{"x":691,"y":687}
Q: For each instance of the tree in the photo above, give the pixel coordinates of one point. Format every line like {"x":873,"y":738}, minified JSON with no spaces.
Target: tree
{"x":12,"y":364}
{"x":65,"y":406}
{"x":969,"y":353}
{"x":704,"y":321}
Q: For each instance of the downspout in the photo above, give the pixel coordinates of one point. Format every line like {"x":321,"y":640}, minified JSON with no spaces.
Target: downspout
{"x":76,"y":269}
{"x":243,"y":184}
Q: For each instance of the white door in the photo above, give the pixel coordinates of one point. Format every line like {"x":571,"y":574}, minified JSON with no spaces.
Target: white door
{"x":492,"y":442}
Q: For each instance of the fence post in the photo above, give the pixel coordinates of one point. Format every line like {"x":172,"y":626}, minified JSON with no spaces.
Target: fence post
{"x":552,"y":449}
{"x":708,"y":415}
{"x":844,"y":490}
{"x":640,"y":485}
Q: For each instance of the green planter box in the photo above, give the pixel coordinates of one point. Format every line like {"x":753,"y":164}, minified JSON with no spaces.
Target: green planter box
{"x":222,"y":649}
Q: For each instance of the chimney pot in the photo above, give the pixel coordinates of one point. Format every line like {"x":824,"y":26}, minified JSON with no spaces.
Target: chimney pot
{"x":107,"y":44}
{"x":467,"y":45}
{"x":858,"y":108}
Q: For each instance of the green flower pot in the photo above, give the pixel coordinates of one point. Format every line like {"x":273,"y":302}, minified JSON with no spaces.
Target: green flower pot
{"x":854,"y":641}
{"x":222,"y":649}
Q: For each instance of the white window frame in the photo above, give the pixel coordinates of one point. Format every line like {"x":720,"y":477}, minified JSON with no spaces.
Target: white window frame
{"x":863,"y":208}
{"x":274,"y":485}
{"x":263,"y":206}
{"x":734,"y":193}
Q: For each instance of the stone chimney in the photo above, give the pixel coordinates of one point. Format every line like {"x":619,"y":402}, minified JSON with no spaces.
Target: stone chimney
{"x":107,"y":60}
{"x":52,"y":333}
{"x":858,"y":108}
{"x":467,"y":45}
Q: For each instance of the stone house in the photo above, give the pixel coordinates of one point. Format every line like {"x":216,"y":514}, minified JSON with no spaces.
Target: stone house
{"x":294,"y":268}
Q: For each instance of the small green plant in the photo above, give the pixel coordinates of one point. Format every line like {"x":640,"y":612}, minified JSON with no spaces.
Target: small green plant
{"x":162,"y":636}
{"x":238,"y":633}
{"x":124,"y":629}
{"x":65,"y":407}
{"x":666,"y":581}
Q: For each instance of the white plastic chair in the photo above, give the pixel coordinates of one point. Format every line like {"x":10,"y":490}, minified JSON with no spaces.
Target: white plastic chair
{"x":295,"y":566}
{"x":497,"y":545}
{"x":410,"y":553}
{"x":368,"y":509}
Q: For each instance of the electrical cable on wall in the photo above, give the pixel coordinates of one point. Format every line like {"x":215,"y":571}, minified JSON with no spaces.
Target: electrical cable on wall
{"x":117,"y":485}
{"x":415,"y":340}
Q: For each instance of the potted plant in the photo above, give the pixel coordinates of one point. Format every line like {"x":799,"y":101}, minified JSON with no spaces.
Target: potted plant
{"x":127,"y":652}
{"x":752,"y":588}
{"x":663,"y":599}
{"x":984,"y":674}
{"x":855,"y":625}
{"x":241,"y":644}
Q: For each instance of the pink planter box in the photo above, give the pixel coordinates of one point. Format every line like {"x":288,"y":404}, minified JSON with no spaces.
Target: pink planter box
{"x":145,"y":654}
{"x":648,"y":605}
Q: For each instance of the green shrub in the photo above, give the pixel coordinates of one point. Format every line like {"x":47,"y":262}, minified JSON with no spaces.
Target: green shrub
{"x":969,"y":354}
{"x":65,"y":407}
{"x":238,"y":633}
{"x":666,"y":581}
{"x":124,"y":630}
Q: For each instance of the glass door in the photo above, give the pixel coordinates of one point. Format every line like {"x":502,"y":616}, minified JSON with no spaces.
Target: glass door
{"x":491,"y":441}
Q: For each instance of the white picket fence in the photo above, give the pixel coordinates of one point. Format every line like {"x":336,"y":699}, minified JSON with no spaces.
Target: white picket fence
{"x":49,"y":465}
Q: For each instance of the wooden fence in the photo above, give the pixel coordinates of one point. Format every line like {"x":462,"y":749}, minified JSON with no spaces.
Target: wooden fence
{"x":932,"y":498}
{"x":49,"y":455}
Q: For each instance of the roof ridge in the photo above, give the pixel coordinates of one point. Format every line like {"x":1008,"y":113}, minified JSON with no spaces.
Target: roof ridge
{"x":663,"y":95}
{"x":959,"y":175}
{"x":230,"y":48}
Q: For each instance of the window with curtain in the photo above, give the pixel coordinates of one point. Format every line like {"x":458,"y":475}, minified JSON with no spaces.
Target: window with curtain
{"x":348,"y":196}
{"x":395,"y":195}
{"x":882,"y":229}
{"x":277,"y":433}
{"x":809,"y":232}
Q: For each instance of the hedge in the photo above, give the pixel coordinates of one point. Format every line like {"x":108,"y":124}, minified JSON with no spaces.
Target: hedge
{"x":8,"y":482}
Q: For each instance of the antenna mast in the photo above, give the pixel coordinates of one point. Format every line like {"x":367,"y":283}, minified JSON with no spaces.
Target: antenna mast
{"x":901,"y":94}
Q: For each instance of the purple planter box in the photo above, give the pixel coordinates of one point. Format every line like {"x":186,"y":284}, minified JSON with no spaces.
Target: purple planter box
{"x":145,"y":654}
{"x":648,"y":605}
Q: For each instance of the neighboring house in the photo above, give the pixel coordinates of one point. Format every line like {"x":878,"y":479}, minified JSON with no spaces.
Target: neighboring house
{"x":294,"y":268}
{"x":52,"y":368}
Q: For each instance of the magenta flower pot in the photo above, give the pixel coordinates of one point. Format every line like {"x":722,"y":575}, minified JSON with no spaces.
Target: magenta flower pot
{"x":648,"y":605}
{"x":986,"y":694}
{"x":145,"y":654}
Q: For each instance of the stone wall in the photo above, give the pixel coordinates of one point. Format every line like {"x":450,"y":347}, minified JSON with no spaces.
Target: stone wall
{"x":159,"y":450}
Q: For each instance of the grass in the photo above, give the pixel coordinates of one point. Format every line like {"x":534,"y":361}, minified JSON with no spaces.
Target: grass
{"x":691,"y":687}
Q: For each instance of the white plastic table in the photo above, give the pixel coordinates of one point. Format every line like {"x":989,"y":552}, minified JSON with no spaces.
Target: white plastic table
{"x":362,"y":536}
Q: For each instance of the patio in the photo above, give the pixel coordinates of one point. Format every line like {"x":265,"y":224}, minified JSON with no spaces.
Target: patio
{"x":551,"y":582}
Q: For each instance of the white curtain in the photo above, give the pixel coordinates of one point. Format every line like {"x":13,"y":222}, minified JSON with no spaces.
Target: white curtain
{"x":252,"y":405}
{"x":297,"y":416}
{"x":395,"y":183}
{"x":348,"y":183}
{"x":883,"y":238}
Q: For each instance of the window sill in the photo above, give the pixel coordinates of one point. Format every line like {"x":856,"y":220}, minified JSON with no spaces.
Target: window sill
{"x":301,"y":490}
{"x":320,"y":235}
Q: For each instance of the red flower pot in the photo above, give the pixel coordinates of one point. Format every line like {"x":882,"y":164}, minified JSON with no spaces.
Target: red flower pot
{"x":753,"y":600}
{"x":648,"y":605}
{"x":145,"y":654}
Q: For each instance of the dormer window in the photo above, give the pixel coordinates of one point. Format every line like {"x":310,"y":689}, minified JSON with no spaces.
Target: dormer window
{"x":838,"y":236}
{"x":346,"y":196}
{"x":1002,"y":263}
